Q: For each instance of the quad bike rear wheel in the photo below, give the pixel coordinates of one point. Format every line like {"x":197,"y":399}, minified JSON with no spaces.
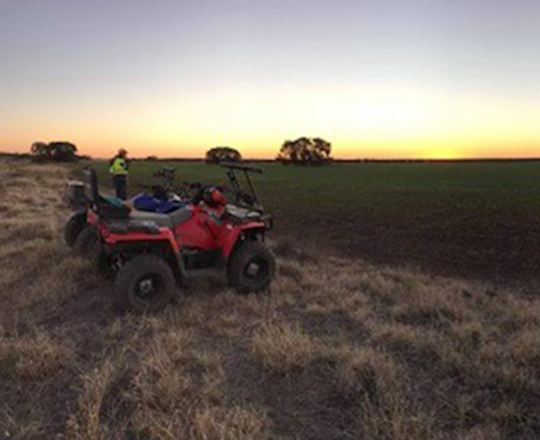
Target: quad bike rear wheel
{"x":73,"y":228}
{"x":251,"y":267}
{"x":145,"y":283}
{"x":85,"y":241}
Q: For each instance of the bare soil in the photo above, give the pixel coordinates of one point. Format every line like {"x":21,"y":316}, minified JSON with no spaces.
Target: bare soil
{"x":503,"y":249}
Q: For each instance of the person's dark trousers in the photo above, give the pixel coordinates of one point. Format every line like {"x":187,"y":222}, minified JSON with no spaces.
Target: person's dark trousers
{"x":120,"y":184}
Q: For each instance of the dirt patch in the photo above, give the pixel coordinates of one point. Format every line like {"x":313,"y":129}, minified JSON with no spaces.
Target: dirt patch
{"x":504,"y":250}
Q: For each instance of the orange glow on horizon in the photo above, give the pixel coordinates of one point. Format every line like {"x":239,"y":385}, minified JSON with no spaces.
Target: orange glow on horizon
{"x":268,"y":150}
{"x":375,"y":122}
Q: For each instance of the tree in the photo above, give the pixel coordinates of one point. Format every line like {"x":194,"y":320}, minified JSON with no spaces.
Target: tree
{"x":63,"y":151}
{"x":305,"y":151}
{"x":55,"y":151}
{"x":41,"y":150}
{"x":222,"y":154}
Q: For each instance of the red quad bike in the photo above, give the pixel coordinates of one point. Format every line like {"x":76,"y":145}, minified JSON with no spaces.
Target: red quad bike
{"x":149,"y":254}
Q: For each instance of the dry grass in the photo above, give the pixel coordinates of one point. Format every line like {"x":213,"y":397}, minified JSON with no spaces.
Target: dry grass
{"x":338,"y":349}
{"x":282,"y":347}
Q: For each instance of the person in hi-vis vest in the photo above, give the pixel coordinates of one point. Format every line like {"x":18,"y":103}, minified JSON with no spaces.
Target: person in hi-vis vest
{"x":119,"y":169}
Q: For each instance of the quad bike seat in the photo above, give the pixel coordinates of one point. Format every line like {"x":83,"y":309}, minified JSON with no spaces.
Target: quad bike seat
{"x":158,"y":218}
{"x":180,"y":215}
{"x":149,"y":222}
{"x":168,"y":220}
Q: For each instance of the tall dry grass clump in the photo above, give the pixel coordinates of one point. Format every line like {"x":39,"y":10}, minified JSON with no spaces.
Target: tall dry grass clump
{"x":281,"y":347}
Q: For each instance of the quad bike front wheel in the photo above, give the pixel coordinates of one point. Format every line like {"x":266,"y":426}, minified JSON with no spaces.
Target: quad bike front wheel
{"x":251,"y":267}
{"x":85,"y":240}
{"x":145,"y":283}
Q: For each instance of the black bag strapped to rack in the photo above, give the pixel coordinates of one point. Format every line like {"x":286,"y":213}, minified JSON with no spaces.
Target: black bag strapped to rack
{"x":74,"y":194}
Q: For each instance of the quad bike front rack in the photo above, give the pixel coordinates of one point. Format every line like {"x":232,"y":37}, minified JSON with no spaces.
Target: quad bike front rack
{"x":248,"y":200}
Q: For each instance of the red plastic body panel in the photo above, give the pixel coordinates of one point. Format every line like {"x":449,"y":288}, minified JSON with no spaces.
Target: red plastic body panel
{"x":204,"y":230}
{"x":92,"y":218}
{"x":232,"y":237}
{"x":165,"y":234}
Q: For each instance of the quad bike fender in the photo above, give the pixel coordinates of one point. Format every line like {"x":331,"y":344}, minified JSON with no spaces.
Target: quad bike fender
{"x":251,"y":228}
{"x":79,"y":212}
{"x":164,"y":236}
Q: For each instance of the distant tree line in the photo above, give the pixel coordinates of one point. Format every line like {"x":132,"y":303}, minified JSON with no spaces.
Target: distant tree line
{"x":58,"y":151}
{"x":303,"y":151}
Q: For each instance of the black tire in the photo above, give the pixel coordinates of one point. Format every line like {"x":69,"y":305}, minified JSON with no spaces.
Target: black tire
{"x":102,"y":262}
{"x":85,"y":241}
{"x":145,"y":283}
{"x":73,"y":227}
{"x":251,"y":267}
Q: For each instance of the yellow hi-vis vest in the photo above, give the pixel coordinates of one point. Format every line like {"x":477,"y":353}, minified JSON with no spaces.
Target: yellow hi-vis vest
{"x":118,"y":166}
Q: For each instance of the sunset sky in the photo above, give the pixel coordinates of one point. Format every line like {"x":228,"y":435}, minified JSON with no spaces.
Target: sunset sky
{"x":387,"y":79}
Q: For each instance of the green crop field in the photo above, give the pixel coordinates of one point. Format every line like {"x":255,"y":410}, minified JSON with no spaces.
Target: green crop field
{"x":480,"y":219}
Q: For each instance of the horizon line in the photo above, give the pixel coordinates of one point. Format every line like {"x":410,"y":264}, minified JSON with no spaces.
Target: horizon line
{"x":358,"y":159}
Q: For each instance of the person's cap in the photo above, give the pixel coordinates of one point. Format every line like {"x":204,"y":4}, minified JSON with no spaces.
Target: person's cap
{"x":122,"y":151}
